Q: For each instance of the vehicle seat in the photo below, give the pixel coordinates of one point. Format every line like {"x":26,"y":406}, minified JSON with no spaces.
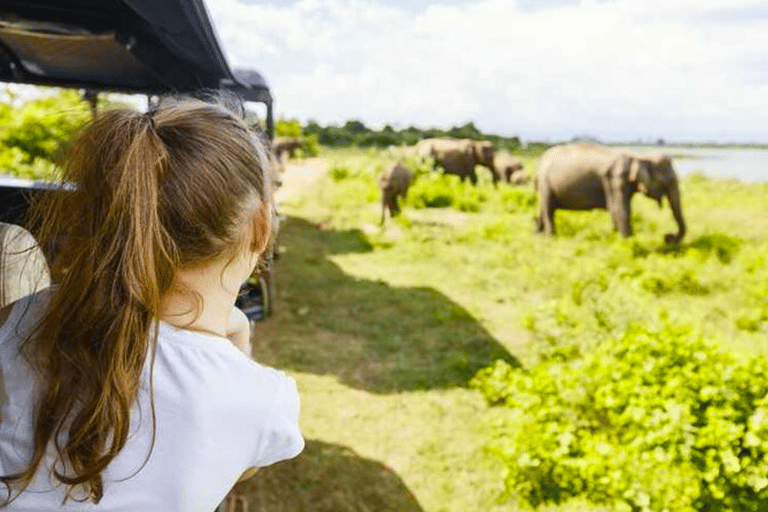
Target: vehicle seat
{"x":23,"y":269}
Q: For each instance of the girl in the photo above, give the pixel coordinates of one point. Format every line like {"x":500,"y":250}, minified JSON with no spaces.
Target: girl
{"x":122,"y":389}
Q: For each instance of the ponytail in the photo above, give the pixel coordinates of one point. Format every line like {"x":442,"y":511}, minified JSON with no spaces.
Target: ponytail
{"x":113,"y":262}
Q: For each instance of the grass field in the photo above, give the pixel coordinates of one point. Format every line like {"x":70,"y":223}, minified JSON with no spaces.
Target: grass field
{"x":383,"y":327}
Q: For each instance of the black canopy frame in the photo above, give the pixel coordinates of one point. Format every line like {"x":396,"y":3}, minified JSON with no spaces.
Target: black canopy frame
{"x":151,"y":47}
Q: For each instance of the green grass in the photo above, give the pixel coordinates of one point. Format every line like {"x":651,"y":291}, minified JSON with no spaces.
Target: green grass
{"x":383,"y":327}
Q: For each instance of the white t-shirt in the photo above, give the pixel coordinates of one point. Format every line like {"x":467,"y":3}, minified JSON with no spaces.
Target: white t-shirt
{"x":217,"y":413}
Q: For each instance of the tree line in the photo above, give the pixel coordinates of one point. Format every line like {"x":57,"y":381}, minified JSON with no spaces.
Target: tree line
{"x":354,"y":133}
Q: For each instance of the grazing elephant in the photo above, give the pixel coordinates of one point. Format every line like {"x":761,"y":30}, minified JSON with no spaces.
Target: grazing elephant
{"x":394,"y":183}
{"x":511,"y":169}
{"x":588,"y":176}
{"x":284,"y":147}
{"x":484,"y":155}
{"x":459,"y":156}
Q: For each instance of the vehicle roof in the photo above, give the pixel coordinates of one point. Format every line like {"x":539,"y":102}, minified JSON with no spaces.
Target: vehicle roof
{"x":134,"y":46}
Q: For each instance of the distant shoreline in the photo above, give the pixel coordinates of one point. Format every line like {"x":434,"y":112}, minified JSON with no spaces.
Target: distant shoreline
{"x":693,"y":145}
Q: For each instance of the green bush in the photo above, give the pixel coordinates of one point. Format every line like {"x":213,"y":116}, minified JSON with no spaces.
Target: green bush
{"x":724,"y":247}
{"x":288,"y":128}
{"x":435,"y":190}
{"x":33,"y":134}
{"x":40,"y":127}
{"x":431,"y":191}
{"x":653,"y":421}
{"x":517,"y":198}
{"x":685,"y":283}
{"x":339,"y":173}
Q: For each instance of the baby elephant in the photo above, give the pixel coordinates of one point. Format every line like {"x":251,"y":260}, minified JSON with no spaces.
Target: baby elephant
{"x":394,"y":183}
{"x":511,"y":169}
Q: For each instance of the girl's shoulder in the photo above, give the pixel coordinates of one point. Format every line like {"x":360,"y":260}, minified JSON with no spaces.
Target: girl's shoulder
{"x":202,"y":359}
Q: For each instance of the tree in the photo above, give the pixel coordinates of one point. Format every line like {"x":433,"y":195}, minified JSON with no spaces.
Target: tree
{"x":354,"y":126}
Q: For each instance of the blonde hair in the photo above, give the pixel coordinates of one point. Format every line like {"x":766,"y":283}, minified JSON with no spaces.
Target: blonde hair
{"x":153,"y":193}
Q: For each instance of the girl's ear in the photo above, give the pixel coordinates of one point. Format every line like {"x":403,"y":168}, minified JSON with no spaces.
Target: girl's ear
{"x":262,"y":228}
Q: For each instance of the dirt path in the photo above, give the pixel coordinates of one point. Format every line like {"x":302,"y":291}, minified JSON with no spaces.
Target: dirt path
{"x":298,"y":175}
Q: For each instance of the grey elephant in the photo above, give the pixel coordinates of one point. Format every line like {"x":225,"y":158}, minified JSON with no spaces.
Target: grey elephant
{"x":284,"y":147}
{"x":459,"y":156}
{"x":485,"y":156}
{"x":510,"y":168}
{"x":588,"y":176}
{"x":394,"y":183}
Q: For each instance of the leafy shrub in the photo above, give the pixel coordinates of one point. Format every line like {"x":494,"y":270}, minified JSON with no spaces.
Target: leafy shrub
{"x":310,"y":146}
{"x":722,"y":246}
{"x":32,"y":134}
{"x":378,"y":139}
{"x":649,"y":422}
{"x":430,"y":191}
{"x":435,"y":190}
{"x":636,"y":249}
{"x":333,"y":136}
{"x":288,"y":128}
{"x":418,"y":165}
{"x":517,"y":198}
{"x":40,"y":127}
{"x":339,"y":173}
{"x":685,"y":283}
{"x":753,"y":321}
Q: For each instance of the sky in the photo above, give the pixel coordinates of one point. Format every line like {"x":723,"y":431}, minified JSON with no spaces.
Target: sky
{"x":615,"y":70}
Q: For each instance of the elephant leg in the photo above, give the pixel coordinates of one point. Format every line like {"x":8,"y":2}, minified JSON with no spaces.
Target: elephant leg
{"x":618,"y":201}
{"x":546,"y":220}
{"x":549,"y":218}
{"x":621,"y":212}
{"x":626,"y":219}
{"x":383,"y":209}
{"x":495,"y":175}
{"x":394,"y":207}
{"x":473,"y":177}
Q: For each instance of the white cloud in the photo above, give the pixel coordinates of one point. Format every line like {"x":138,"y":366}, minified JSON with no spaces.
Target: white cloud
{"x":678,"y":69}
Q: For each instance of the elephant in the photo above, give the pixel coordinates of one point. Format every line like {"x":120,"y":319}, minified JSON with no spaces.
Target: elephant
{"x":459,"y":156}
{"x":284,"y":147}
{"x":485,"y":156}
{"x":511,"y":169}
{"x":588,"y":176}
{"x":394,"y":183}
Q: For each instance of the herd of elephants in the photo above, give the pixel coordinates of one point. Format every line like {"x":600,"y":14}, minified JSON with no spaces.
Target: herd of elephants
{"x":576,"y":176}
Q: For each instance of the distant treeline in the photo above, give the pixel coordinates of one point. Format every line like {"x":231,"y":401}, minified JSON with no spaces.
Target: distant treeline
{"x":355,"y":134}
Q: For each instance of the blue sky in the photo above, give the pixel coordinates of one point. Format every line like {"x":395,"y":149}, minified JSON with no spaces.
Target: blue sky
{"x":687,"y":70}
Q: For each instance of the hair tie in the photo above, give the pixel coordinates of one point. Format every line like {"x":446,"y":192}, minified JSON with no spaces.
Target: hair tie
{"x":150,"y":119}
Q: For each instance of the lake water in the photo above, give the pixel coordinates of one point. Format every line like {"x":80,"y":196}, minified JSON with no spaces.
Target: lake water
{"x":748,"y":165}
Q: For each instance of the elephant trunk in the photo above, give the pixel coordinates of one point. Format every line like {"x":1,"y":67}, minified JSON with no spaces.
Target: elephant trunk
{"x":677,"y":211}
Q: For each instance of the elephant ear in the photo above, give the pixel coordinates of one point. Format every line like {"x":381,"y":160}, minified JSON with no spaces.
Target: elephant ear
{"x":640,"y":174}
{"x":476,"y":149}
